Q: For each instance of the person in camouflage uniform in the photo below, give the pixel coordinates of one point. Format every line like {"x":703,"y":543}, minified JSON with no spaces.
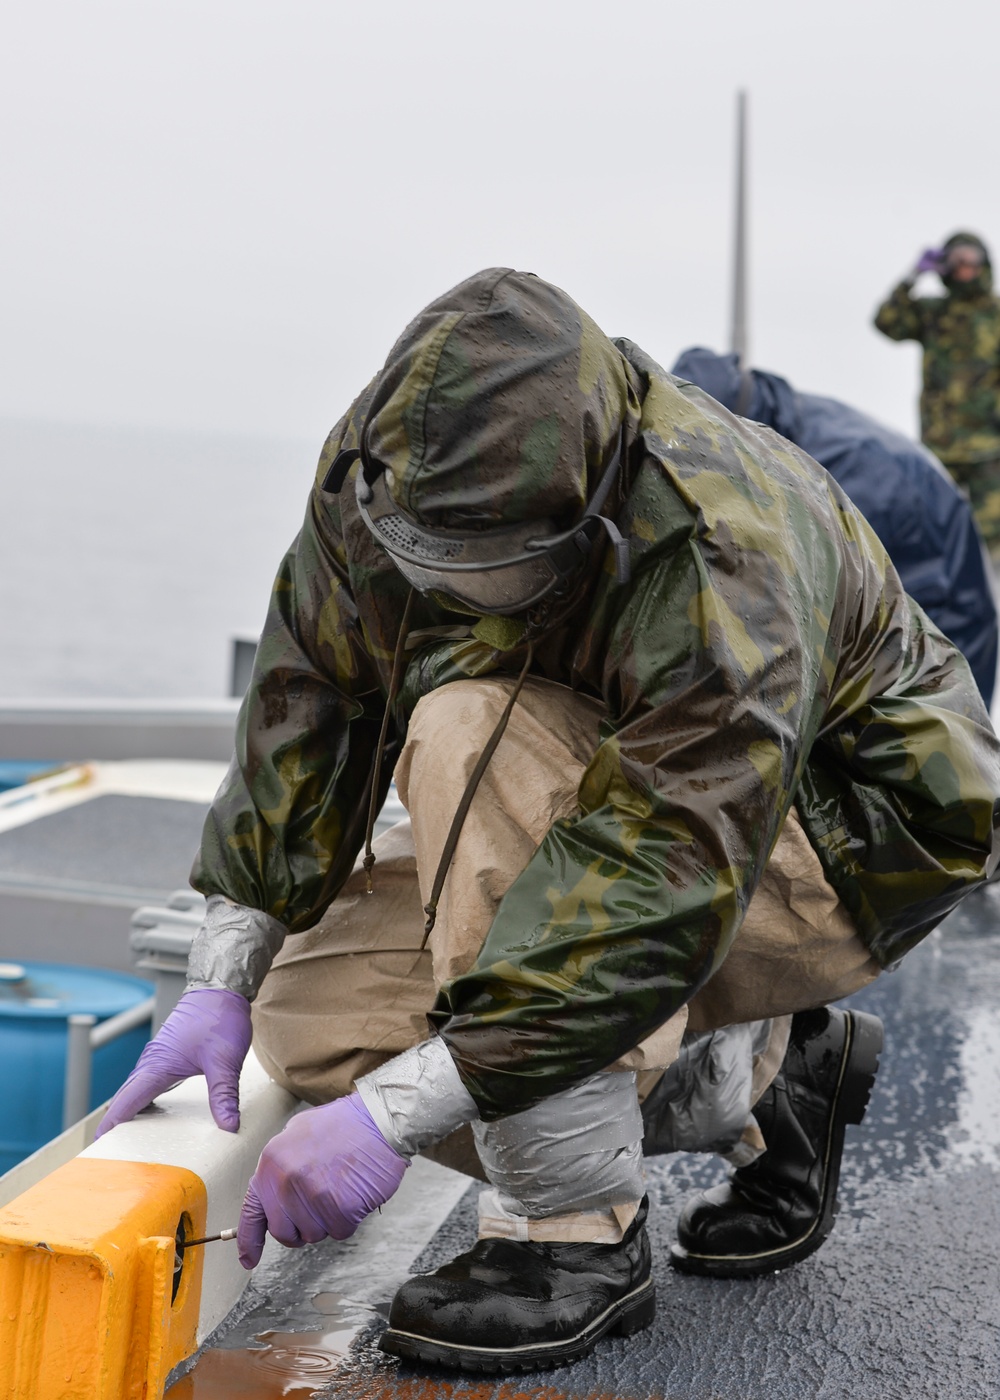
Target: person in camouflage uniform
{"x":960,"y":398}
{"x":519,"y":515}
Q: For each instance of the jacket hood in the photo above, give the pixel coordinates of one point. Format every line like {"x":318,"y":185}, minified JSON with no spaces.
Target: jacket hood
{"x":964,"y":236}
{"x":771,"y":400}
{"x":500,"y":402}
{"x":983,"y":284}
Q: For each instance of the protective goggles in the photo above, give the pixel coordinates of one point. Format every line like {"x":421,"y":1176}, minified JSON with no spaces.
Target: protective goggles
{"x":505,"y":570}
{"x":963,"y":255}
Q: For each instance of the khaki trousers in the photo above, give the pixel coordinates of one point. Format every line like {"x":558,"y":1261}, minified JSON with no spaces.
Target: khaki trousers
{"x":354,"y":990}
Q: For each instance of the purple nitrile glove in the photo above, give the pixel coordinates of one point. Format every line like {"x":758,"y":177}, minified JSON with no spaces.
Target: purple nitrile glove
{"x":930,"y":260}
{"x":321,"y":1175}
{"x":208,"y":1032}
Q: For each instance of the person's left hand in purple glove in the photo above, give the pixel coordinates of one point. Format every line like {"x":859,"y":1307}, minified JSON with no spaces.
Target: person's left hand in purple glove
{"x":208,"y":1032}
{"x":321,"y":1175}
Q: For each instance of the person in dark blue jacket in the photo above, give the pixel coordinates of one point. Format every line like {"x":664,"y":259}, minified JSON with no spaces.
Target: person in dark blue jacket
{"x":910,"y":501}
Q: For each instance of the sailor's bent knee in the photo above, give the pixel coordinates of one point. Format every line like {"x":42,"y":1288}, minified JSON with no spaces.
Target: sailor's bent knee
{"x":449,"y":728}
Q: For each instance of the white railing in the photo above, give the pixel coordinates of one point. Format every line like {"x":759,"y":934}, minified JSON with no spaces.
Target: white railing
{"x":84,"y":1035}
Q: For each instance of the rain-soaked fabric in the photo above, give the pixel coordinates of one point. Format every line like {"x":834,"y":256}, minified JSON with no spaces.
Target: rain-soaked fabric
{"x":351,"y":993}
{"x":960,"y":335}
{"x":580,"y":1149}
{"x":233,"y":949}
{"x":764,"y":652}
{"x":355,"y":990}
{"x":347,"y":990}
{"x":904,"y":493}
{"x":703,"y":1101}
{"x":417,"y":1098}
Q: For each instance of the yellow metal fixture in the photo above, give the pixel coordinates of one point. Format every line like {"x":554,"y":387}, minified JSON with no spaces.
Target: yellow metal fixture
{"x":97,"y":1300}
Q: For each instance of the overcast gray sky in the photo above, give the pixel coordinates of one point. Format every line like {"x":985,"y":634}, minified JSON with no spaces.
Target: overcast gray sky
{"x":218,"y":214}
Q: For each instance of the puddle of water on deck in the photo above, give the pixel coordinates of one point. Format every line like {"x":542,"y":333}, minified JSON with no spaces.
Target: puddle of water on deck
{"x":348,"y":1311}
{"x":293,"y":1365}
{"x":289,"y":1366}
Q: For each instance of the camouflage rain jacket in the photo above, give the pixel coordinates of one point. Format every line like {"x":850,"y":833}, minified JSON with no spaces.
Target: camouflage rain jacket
{"x":960,"y":333}
{"x":764,"y":652}
{"x":910,"y":501}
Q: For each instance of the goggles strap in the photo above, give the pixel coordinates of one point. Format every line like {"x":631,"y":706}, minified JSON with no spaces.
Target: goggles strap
{"x":430,"y":908}
{"x":394,"y":684}
{"x":623,"y":570}
{"x":341,"y":465}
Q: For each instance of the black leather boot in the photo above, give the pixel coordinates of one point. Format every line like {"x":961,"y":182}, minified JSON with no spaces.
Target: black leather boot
{"x":781,"y":1207}
{"x":507,"y":1306}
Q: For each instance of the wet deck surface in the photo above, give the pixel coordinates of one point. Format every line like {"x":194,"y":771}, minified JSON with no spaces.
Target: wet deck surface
{"x":901,"y":1303}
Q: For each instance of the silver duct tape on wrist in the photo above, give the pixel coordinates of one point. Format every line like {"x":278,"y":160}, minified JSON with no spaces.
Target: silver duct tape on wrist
{"x":234,"y":948}
{"x":581,"y":1149}
{"x":417,"y":1098}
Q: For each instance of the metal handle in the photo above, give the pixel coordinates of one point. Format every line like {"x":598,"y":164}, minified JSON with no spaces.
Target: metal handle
{"x":83,"y":1037}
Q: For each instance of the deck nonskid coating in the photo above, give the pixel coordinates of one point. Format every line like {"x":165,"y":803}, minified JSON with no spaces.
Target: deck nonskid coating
{"x":900,"y":1304}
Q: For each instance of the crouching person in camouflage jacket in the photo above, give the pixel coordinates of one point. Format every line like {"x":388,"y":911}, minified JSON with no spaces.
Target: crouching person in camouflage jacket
{"x":678,"y":754}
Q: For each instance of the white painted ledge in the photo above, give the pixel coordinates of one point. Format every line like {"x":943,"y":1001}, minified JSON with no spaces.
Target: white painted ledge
{"x":179,"y":1131}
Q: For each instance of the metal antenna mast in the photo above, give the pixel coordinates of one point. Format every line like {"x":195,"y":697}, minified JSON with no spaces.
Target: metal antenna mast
{"x":738,"y":330}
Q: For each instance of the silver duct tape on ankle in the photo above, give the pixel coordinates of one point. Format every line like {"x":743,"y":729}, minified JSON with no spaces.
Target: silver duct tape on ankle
{"x":581,"y":1149}
{"x":234,"y":948}
{"x":417,"y":1098}
{"x":702,"y":1103}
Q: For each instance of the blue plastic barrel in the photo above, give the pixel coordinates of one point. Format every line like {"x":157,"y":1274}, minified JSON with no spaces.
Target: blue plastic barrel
{"x":15,"y":771}
{"x":35,"y":1001}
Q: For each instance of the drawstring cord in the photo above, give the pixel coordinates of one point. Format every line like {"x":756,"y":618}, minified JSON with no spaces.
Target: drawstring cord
{"x":394,"y":684}
{"x":455,"y":831}
{"x":430,"y":908}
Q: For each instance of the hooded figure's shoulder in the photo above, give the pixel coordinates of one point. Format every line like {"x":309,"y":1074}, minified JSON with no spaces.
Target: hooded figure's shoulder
{"x":722,"y":463}
{"x":753,"y":506}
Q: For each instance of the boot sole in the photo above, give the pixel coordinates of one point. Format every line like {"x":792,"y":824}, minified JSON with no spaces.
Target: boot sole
{"x":624,"y":1318}
{"x":858,"y":1067}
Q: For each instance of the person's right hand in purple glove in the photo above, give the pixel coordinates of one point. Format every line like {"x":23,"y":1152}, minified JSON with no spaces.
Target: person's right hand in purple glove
{"x":321,"y":1175}
{"x":208,"y":1032}
{"x":930,"y":260}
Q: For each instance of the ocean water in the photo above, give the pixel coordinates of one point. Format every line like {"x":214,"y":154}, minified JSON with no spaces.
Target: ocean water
{"x":130,"y":559}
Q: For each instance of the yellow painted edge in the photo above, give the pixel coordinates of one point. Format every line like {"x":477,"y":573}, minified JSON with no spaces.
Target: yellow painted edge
{"x":86,"y":1281}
